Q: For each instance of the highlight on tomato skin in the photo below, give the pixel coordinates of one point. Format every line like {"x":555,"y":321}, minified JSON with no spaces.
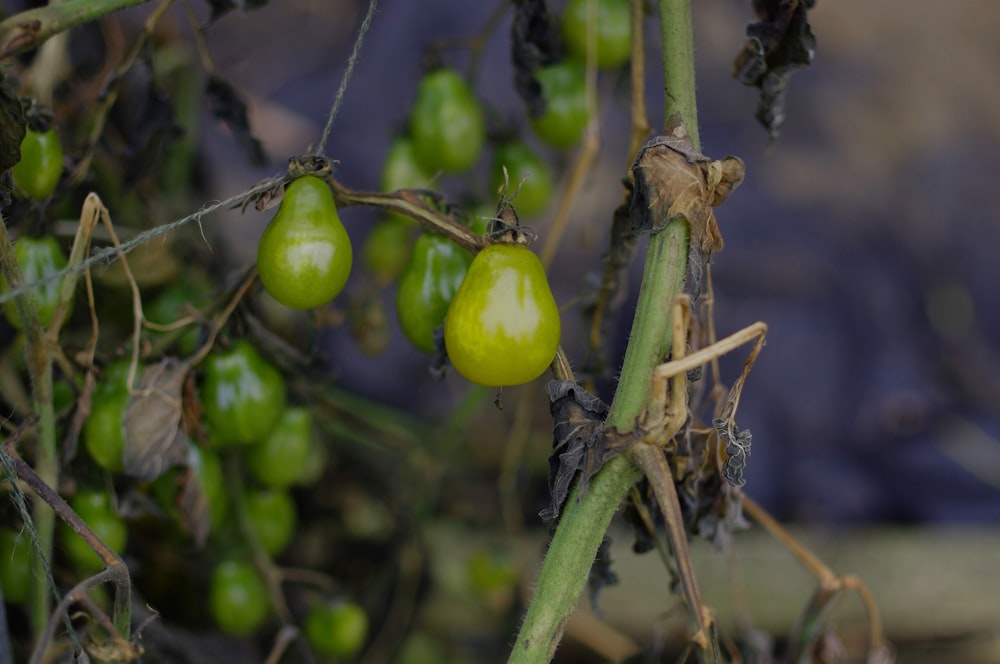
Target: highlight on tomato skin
{"x":503,"y":327}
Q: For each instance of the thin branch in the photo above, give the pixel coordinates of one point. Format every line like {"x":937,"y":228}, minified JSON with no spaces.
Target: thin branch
{"x":27,"y":30}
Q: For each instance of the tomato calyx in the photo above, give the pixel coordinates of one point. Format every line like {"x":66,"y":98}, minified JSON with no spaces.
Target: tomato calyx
{"x":506,"y":228}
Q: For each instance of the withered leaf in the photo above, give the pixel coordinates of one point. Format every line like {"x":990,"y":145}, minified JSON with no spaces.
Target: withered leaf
{"x":535,"y":43}
{"x":580,"y":446}
{"x":227,"y":106}
{"x":737,"y":450}
{"x":12,"y":124}
{"x":154,"y":440}
{"x":673,"y":180}
{"x":777,"y":45}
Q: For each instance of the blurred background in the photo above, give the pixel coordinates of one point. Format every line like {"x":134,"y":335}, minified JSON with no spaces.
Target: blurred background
{"x":866,"y":238}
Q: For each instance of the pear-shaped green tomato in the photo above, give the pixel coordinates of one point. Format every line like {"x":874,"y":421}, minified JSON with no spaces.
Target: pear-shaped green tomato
{"x":39,"y":257}
{"x":304,"y":256}
{"x":612,"y":31}
{"x":503,"y":324}
{"x":447,"y":123}
{"x":429,"y":282}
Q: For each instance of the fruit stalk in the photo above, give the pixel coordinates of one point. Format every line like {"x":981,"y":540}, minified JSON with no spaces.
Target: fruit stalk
{"x":581,"y":528}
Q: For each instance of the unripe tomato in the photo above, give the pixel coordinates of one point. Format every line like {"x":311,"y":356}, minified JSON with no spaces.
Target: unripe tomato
{"x":337,"y":628}
{"x":429,"y":282}
{"x":39,"y":257}
{"x":103,"y":432}
{"x":243,"y":395}
{"x":612,"y":31}
{"x":527,"y":174}
{"x":447,"y":123}
{"x":207,"y":469}
{"x":94,"y":507}
{"x":403,"y":169}
{"x":15,"y":566}
{"x":283,"y":458}
{"x":272,"y":517}
{"x":304,"y":256}
{"x":41,"y":165}
{"x":387,"y":248}
{"x":565,"y":117}
{"x":238,"y":597}
{"x":502,"y":326}
{"x":174,"y":303}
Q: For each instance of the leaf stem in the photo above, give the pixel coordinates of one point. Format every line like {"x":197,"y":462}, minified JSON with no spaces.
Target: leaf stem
{"x":28,"y":29}
{"x":585,"y":519}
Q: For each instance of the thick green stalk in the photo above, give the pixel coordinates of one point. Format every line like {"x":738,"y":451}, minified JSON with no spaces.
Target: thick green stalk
{"x":585,"y":519}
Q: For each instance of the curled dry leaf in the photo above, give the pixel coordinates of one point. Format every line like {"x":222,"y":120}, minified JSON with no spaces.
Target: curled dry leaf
{"x":673,"y":180}
{"x":777,"y":45}
{"x":154,"y":440}
{"x":580,"y":443}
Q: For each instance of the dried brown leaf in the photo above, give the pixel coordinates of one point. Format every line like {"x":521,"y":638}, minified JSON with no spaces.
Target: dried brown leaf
{"x":673,"y":180}
{"x":154,"y":440}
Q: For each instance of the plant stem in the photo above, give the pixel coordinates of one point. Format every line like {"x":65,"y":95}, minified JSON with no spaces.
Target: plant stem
{"x":39,"y":361}
{"x":26,"y":30}
{"x":585,"y":519}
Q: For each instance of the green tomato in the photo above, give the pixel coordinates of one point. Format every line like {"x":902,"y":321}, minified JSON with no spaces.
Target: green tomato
{"x":238,"y":598}
{"x":39,"y":257}
{"x":272,"y":517}
{"x":612,"y":31}
{"x":429,"y":282}
{"x":503,"y":324}
{"x":283,"y":458}
{"x":104,"y":430}
{"x":527,"y":174}
{"x":304,"y":256}
{"x":403,"y":168}
{"x":447,"y":123}
{"x":337,"y":628}
{"x":565,"y":117}
{"x":15,"y":566}
{"x":207,"y":469}
{"x":41,"y":165}
{"x":171,"y":305}
{"x":94,"y":507}
{"x":243,"y":395}
{"x":387,"y":248}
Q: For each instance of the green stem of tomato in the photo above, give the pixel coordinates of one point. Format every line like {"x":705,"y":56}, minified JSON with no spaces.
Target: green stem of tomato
{"x":586,"y":518}
{"x":39,"y":361}
{"x":26,"y":30}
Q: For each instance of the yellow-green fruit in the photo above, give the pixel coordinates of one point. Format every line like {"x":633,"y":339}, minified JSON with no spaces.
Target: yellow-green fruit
{"x":304,"y":257}
{"x":503,"y":325}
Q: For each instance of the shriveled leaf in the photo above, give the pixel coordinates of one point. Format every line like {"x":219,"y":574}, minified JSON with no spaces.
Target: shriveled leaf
{"x":777,"y":45}
{"x":227,"y":105}
{"x":535,"y":43}
{"x":580,"y":446}
{"x":12,"y":124}
{"x":143,"y":117}
{"x":673,"y":180}
{"x":737,"y":450}
{"x":154,"y":440}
